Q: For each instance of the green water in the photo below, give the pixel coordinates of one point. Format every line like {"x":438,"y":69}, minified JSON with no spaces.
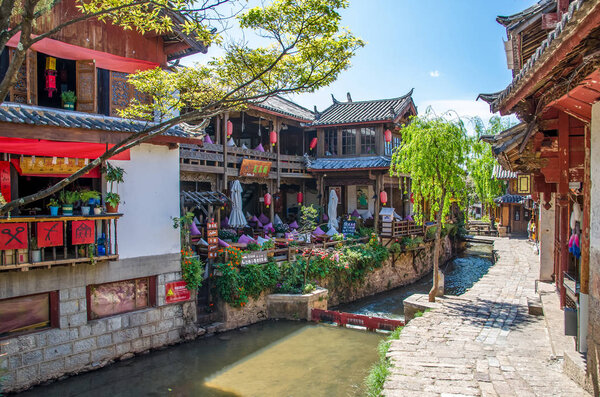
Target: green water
{"x":273,"y":358}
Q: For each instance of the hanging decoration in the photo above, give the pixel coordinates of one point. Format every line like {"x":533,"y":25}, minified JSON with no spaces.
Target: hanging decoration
{"x":383,"y":197}
{"x":299,"y":198}
{"x":50,"y":76}
{"x":229,"y":128}
{"x":412,"y":199}
{"x":273,"y":138}
{"x":388,"y":135}
{"x":313,"y":143}
{"x":268,"y":199}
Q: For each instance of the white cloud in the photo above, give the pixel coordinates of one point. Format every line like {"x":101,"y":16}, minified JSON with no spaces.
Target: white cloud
{"x":434,"y":73}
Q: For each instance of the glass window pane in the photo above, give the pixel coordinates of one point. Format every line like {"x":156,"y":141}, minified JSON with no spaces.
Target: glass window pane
{"x":331,"y":146}
{"x":24,"y":313}
{"x":349,"y":141}
{"x":118,"y":297}
{"x":367,"y":140}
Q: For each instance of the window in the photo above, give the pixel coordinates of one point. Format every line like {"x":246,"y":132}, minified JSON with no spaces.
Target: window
{"x":331,"y":142}
{"x":517,"y":214}
{"x":120,"y":297}
{"x":390,"y":147}
{"x":28,"y":313}
{"x":349,"y":141}
{"x":367,"y":140}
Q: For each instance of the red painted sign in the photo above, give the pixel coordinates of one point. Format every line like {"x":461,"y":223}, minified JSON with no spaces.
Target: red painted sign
{"x":49,"y":234}
{"x":82,"y":232}
{"x":5,"y":180}
{"x":177,"y":292}
{"x":13,"y":236}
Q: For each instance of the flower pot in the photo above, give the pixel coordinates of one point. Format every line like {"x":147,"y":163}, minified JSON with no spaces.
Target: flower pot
{"x":110,"y":209}
{"x":69,"y":105}
{"x":54,"y":210}
{"x":36,"y":255}
{"x":67,"y":209}
{"x":97,"y":210}
{"x":85,"y":210}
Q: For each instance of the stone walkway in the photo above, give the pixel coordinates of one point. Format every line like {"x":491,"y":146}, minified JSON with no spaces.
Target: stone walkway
{"x":482,"y":343}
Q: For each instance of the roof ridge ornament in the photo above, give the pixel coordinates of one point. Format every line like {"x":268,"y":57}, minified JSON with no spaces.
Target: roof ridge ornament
{"x":335,"y":101}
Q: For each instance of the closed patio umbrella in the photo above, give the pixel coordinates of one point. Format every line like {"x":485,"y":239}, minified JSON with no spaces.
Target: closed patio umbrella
{"x":236,"y":218}
{"x":332,"y":210}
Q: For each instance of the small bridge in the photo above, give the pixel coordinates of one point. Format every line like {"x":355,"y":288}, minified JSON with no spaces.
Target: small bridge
{"x":342,"y":319}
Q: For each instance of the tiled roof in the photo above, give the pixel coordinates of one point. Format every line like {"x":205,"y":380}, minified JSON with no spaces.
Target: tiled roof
{"x":37,"y":115}
{"x":501,"y":173}
{"x":543,"y":52}
{"x":363,"y":111}
{"x":338,"y":163}
{"x":510,"y":199}
{"x":286,"y":107}
{"x":514,"y":21}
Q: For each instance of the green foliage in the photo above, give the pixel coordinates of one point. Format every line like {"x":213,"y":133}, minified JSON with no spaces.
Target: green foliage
{"x":68,"y":197}
{"x":86,"y":195}
{"x":253,"y":247}
{"x":192,"y":269}
{"x":52,"y":202}
{"x":411,"y":242}
{"x":113,"y":199}
{"x":113,"y":174}
{"x":268,"y":245}
{"x":183,"y":224}
{"x":308,"y":288}
{"x":238,"y":283}
{"x":68,"y":97}
{"x":308,"y":219}
{"x":225,"y":234}
{"x":381,"y":369}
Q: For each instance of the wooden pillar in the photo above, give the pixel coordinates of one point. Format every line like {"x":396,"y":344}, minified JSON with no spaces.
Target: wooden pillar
{"x":563,"y":201}
{"x":218,"y":129}
{"x":272,"y":206}
{"x":224,"y":135}
{"x":278,"y":131}
{"x":585,"y":227}
{"x":378,"y":179}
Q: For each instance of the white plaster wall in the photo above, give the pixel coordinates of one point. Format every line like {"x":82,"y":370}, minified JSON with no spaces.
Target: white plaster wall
{"x":149,"y":199}
{"x":546,"y":238}
{"x":351,"y":202}
{"x":595,"y":184}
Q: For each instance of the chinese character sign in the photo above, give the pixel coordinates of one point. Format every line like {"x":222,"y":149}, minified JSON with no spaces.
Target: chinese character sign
{"x":49,"y":234}
{"x":177,"y":292}
{"x":255,"y":168}
{"x":13,"y":236}
{"x":82,"y":232}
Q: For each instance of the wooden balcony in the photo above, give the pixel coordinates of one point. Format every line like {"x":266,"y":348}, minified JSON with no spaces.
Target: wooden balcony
{"x":29,"y":242}
{"x":210,"y":159}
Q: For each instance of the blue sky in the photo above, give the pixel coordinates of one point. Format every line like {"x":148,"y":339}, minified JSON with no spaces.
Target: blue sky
{"x":447,"y":50}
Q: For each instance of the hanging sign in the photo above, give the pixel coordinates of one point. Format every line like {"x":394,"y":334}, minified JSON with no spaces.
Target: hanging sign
{"x":32,"y":165}
{"x":13,"y":236}
{"x":177,"y":292}
{"x":254,"y":258}
{"x":82,"y":232}
{"x":524,"y":184}
{"x":49,"y":234}
{"x":5,"y":180}
{"x":255,"y":168}
{"x":212,"y":238}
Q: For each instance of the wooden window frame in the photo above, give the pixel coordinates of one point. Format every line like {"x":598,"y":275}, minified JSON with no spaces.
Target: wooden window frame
{"x":327,"y":134}
{"x":152,"y":292}
{"x":372,"y":144}
{"x":53,"y":300}
{"x":354,"y":145}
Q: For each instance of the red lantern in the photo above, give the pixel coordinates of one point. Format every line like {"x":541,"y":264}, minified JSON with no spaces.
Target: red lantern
{"x":412,"y":199}
{"x":273,"y":138}
{"x":229,"y":128}
{"x":388,"y":136}
{"x":299,"y":197}
{"x":313,"y":143}
{"x":383,"y":197}
{"x":268,"y":200}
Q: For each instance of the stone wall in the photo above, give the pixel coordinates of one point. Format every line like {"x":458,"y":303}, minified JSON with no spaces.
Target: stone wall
{"x":80,"y":345}
{"x":235,"y":317}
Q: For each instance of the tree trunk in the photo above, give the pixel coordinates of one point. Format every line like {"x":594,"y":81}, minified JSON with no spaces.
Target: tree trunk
{"x":436,"y":250}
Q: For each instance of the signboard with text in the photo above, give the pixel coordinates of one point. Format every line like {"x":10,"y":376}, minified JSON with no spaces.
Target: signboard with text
{"x":13,"y":236}
{"x":82,"y":232}
{"x":255,"y":168}
{"x":49,"y":234}
{"x":254,"y":258}
{"x":177,"y":292}
{"x":349,"y":227}
{"x":212,"y":238}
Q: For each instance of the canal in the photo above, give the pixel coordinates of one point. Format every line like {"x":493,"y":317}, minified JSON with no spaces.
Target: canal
{"x":272,"y":358}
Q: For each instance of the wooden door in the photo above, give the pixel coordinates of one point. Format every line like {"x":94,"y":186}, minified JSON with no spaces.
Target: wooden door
{"x":86,"y":86}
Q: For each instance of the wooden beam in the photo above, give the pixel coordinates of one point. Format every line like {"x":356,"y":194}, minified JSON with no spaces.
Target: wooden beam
{"x":224,"y":135}
{"x":585,"y":227}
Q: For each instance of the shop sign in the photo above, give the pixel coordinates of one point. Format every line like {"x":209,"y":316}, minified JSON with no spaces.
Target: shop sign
{"x":13,"y":236}
{"x":349,"y":227}
{"x":177,"y":292}
{"x":49,"y":234}
{"x":82,"y":232}
{"x":31,"y":165}
{"x":212,"y":238}
{"x":255,"y":168}
{"x":524,"y":184}
{"x":254,"y":258}
{"x":5,"y":180}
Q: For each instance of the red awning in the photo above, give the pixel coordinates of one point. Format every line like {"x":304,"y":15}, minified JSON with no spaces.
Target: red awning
{"x":42,"y":147}
{"x":103,"y":60}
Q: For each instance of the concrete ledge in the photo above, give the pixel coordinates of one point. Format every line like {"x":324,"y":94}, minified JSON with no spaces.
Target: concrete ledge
{"x":574,"y":366}
{"x":296,"y":307}
{"x":417,"y":303}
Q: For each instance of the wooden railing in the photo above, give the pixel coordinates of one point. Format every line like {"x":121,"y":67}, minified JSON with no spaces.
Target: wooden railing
{"x":46,"y":241}
{"x":401,"y":229}
{"x":342,"y":319}
{"x":210,"y":158}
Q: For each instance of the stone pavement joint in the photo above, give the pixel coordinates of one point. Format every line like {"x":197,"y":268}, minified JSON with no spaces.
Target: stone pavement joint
{"x":484,"y":342}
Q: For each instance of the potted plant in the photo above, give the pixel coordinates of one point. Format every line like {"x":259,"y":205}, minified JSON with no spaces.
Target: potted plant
{"x":68,"y":198}
{"x":113,"y":175}
{"x":87,"y":197}
{"x":36,"y":253}
{"x":68,"y":100}
{"x":54,"y":206}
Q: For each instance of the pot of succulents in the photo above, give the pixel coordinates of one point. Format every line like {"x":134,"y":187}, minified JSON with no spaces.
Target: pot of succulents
{"x":68,"y":199}
{"x":36,"y":253}
{"x":114,"y":176}
{"x":68,"y":100}
{"x":88,"y":197}
{"x":53,"y":205}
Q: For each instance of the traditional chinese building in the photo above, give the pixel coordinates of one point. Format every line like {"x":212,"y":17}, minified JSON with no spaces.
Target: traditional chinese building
{"x":514,"y":209}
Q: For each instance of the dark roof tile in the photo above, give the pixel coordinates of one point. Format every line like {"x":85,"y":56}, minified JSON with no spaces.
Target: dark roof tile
{"x":285,"y":107}
{"x":338,"y":163}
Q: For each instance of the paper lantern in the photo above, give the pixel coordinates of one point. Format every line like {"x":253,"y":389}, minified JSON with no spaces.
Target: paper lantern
{"x":313,"y":143}
{"x":388,"y":136}
{"x":229,"y":128}
{"x":383,"y":197}
{"x":299,"y":197}
{"x":273,"y":138}
{"x":268,"y":199}
{"x":412,"y":199}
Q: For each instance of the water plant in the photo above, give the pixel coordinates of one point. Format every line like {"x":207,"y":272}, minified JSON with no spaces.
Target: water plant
{"x":381,"y":369}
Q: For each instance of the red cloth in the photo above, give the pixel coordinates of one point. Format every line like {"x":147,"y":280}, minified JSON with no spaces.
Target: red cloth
{"x":103,"y":60}
{"x":42,"y":147}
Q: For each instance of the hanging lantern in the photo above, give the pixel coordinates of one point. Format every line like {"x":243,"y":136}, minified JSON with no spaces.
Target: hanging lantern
{"x":50,"y":76}
{"x":313,"y":143}
{"x":273,"y":138}
{"x":412,"y":199}
{"x":299,"y":198}
{"x":387,"y":135}
{"x":383,"y":197}
{"x":268,"y":200}
{"x":229,"y":128}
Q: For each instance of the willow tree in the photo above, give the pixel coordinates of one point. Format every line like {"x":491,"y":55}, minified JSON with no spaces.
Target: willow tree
{"x":434,"y":152}
{"x":304,"y":49}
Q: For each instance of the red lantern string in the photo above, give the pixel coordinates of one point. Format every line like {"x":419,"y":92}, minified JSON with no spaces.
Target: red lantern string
{"x":268,"y":199}
{"x":313,"y":143}
{"x":299,"y":197}
{"x":273,"y":138}
{"x":388,"y":136}
{"x":383,"y":197}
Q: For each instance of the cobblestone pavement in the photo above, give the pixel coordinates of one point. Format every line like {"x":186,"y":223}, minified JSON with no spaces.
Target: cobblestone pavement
{"x":484,"y":342}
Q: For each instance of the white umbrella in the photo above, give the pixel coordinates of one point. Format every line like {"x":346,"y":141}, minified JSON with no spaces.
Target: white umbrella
{"x":332,"y":210}
{"x":236,"y":218}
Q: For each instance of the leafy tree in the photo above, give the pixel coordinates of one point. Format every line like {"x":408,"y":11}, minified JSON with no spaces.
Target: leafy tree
{"x":306,"y":49}
{"x":434,"y":152}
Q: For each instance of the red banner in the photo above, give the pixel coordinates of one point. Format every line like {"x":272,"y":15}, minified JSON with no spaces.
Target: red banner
{"x":82,"y":232}
{"x":13,"y":236}
{"x":49,"y":234}
{"x":5,"y":180}
{"x":177,"y":292}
